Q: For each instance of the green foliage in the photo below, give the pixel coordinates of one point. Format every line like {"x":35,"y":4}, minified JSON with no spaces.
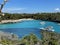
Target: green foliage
{"x":30,"y":39}
{"x":38,"y":16}
{"x":50,"y":38}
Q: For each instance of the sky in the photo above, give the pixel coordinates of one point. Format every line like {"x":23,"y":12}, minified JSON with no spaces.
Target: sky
{"x":31,"y":6}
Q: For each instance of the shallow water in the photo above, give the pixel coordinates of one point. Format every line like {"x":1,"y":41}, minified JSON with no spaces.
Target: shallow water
{"x":27,"y":27}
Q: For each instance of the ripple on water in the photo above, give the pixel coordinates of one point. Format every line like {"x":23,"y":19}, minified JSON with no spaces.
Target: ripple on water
{"x":26,"y":27}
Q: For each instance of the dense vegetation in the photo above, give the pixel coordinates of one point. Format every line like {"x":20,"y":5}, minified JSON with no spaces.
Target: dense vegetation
{"x":40,"y":16}
{"x":47,"y":38}
{"x":50,"y":38}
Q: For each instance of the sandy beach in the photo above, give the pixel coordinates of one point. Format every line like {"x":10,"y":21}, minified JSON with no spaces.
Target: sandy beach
{"x":14,"y":21}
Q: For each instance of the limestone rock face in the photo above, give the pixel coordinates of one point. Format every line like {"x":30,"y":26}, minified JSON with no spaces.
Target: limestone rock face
{"x":9,"y":36}
{"x":50,"y":38}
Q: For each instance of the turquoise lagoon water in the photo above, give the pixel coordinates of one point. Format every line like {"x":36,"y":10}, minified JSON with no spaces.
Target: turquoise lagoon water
{"x":26,"y":27}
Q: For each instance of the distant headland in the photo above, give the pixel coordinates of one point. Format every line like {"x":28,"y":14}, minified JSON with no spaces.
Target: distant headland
{"x":55,"y":17}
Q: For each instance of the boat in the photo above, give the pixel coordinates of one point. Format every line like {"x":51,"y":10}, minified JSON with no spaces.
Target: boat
{"x":58,"y":23}
{"x":49,"y":28}
{"x":41,"y":28}
{"x":42,"y":23}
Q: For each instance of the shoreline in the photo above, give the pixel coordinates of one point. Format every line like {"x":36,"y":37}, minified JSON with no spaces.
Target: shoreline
{"x":14,"y":21}
{"x":20,"y":20}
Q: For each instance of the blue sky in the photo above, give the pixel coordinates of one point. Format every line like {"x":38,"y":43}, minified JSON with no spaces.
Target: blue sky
{"x":31,"y":6}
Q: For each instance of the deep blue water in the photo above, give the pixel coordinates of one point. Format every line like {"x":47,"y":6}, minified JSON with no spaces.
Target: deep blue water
{"x":26,"y":27}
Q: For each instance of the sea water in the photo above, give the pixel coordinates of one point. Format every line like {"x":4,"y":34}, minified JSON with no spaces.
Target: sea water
{"x":24,"y":28}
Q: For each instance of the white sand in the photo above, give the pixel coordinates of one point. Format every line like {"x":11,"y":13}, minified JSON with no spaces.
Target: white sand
{"x":13,"y":21}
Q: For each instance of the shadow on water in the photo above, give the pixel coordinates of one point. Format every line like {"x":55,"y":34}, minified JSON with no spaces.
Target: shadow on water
{"x":21,"y":32}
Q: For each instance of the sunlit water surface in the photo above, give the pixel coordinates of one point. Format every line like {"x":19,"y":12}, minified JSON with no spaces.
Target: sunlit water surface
{"x":26,"y":27}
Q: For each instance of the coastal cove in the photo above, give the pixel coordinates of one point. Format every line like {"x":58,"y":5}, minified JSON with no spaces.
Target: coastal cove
{"x":26,"y":27}
{"x":14,"y":21}
{"x":29,"y":22}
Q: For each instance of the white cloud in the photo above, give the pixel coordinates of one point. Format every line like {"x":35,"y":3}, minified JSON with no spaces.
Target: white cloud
{"x":15,"y":9}
{"x":57,"y":9}
{"x":12,"y":9}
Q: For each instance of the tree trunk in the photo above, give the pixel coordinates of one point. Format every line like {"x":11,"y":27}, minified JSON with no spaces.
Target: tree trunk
{"x":0,"y":11}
